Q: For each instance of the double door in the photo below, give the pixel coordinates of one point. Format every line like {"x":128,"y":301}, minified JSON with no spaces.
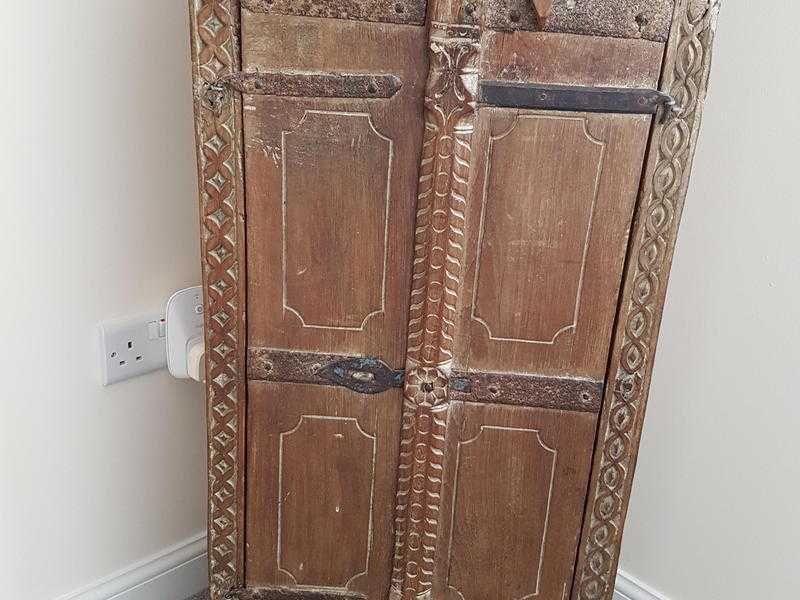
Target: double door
{"x":435,"y":233}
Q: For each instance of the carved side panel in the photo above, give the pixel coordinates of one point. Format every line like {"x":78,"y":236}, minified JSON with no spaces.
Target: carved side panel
{"x":549,"y":213}
{"x":655,"y":229}
{"x":538,"y":208}
{"x":321,"y":473}
{"x":215,"y":53}
{"x":337,"y":171}
{"x":514,"y":490}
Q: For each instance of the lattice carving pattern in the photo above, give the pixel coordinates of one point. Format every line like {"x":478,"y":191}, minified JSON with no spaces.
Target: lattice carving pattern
{"x":620,"y":428}
{"x":437,"y":272}
{"x":215,"y":54}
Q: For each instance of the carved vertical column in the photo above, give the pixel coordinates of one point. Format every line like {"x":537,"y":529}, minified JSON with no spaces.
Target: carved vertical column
{"x":438,"y":256}
{"x":215,"y":55}
{"x":671,"y":151}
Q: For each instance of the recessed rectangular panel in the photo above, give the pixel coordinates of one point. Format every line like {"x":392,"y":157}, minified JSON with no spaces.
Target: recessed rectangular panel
{"x":337,"y":170}
{"x":518,"y":481}
{"x":321,"y":468}
{"x":548,"y":220}
{"x":331,"y":188}
{"x":538,"y":209}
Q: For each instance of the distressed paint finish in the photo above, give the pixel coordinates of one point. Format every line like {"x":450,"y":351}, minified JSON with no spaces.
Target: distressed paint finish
{"x":655,"y":229}
{"x":436,"y":282}
{"x":215,"y":54}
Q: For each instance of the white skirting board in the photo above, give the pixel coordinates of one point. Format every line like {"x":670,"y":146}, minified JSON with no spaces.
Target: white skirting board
{"x":630,"y":588}
{"x":181,"y":571}
{"x":175,"y":573}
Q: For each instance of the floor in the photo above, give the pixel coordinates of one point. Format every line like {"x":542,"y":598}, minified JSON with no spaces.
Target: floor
{"x":200,"y":596}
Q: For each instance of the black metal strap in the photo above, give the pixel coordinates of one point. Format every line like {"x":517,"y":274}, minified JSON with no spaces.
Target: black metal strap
{"x":576,"y":98}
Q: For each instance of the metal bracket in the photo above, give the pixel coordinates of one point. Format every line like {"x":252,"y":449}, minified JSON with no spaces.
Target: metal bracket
{"x":362,"y":375}
{"x":577,"y":98}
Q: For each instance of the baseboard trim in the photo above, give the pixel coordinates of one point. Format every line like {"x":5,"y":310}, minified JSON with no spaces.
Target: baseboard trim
{"x":175,"y":573}
{"x":630,"y":588}
{"x":181,"y":571}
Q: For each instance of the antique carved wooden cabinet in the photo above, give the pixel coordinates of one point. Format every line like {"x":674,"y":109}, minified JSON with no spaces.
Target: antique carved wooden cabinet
{"x":436,"y":241}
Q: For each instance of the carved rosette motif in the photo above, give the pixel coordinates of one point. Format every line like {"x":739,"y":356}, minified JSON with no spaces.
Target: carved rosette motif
{"x":438,"y":261}
{"x":419,"y":481}
{"x":215,"y":55}
{"x":686,"y":77}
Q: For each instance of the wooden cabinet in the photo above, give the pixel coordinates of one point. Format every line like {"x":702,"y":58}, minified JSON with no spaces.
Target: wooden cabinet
{"x":436,"y":240}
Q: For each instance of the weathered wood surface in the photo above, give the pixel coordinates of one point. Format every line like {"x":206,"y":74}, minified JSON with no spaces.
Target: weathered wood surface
{"x":331,"y":185}
{"x":321,"y":471}
{"x":393,"y":222}
{"x":554,"y":58}
{"x":550,"y":206}
{"x":514,"y":488}
{"x":645,"y":19}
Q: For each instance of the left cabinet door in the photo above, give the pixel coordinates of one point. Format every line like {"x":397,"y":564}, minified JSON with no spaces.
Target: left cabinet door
{"x":332,"y":123}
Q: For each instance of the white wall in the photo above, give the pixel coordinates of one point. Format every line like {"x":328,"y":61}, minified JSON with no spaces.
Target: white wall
{"x":715,"y":512}
{"x":98,"y":206}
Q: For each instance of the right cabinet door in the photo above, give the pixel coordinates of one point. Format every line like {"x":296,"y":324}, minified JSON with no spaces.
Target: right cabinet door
{"x":552,"y":193}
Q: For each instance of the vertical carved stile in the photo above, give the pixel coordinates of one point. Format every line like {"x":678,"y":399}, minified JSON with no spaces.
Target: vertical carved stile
{"x":215,"y":54}
{"x":437,"y":272}
{"x":672,"y":147}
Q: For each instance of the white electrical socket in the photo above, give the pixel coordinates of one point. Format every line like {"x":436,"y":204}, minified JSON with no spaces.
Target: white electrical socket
{"x":132,"y":346}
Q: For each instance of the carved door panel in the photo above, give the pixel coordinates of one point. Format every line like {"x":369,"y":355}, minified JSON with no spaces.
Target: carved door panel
{"x":330,"y":178}
{"x":435,"y":235}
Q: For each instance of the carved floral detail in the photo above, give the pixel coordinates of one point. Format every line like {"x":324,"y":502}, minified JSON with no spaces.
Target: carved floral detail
{"x":426,"y":386}
{"x":417,"y":517}
{"x":692,"y":38}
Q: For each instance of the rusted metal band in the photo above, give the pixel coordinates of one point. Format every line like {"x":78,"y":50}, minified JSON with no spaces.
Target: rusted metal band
{"x":404,"y":12}
{"x":361,"y":374}
{"x":562,"y":393}
{"x":290,"y":594}
{"x":574,"y":98}
{"x":315,"y":85}
{"x":636,"y":19}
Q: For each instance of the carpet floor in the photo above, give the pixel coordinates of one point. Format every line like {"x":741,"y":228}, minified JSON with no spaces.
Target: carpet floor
{"x":200,"y":596}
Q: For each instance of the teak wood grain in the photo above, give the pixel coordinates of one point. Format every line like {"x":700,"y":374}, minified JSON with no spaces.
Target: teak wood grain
{"x":566,"y":59}
{"x":374,"y":216}
{"x":515,"y":485}
{"x":331,"y":187}
{"x":548,"y":216}
{"x":321,"y":469}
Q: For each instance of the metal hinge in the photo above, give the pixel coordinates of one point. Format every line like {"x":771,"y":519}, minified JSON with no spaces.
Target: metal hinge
{"x":578,"y":98}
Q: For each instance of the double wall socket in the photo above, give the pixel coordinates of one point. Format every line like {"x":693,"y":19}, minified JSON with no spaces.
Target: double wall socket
{"x":132,"y":346}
